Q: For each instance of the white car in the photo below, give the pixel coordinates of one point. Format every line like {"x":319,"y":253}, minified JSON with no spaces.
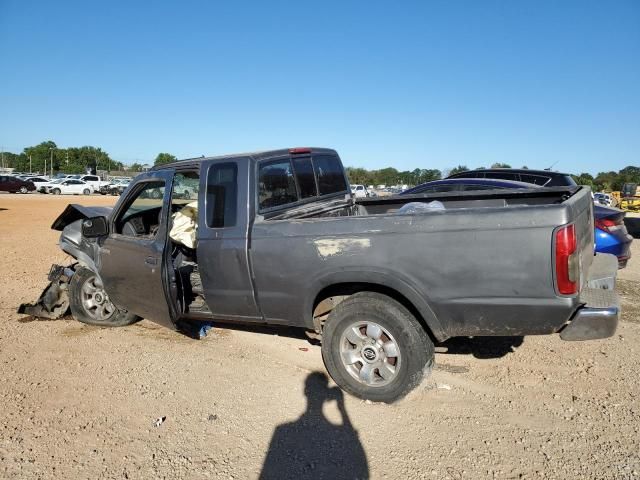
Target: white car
{"x":39,"y":182}
{"x":359,"y":191}
{"x":44,"y":187}
{"x":70,"y":187}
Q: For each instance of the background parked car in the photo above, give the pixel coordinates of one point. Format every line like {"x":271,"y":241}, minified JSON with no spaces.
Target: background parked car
{"x":37,"y":181}
{"x":610,"y":233}
{"x":71,"y":187}
{"x":14,"y":184}
{"x":359,"y":191}
{"x":604,"y":199}
{"x":93,"y":180}
{"x":542,"y":178}
{"x":44,"y":187}
{"x":115,"y":187}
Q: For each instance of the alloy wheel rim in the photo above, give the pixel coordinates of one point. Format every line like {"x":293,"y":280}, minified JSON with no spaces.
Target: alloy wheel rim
{"x":95,"y":300}
{"x":370,"y":354}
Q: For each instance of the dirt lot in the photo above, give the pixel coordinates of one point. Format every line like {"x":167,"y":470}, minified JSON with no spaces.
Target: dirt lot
{"x":80,"y":402}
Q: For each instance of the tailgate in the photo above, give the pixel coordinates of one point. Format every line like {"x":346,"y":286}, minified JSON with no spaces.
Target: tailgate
{"x":583,"y":221}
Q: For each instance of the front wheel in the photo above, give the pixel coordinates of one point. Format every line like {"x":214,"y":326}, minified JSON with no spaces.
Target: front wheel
{"x":91,"y":304}
{"x":86,"y":191}
{"x":23,"y":189}
{"x":375,"y":349}
{"x":56,"y":191}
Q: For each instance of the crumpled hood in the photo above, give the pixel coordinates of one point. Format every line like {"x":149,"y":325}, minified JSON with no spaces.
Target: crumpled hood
{"x":75,"y":212}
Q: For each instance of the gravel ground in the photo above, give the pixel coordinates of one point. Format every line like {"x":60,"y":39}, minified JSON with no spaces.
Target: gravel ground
{"x":81,"y":402}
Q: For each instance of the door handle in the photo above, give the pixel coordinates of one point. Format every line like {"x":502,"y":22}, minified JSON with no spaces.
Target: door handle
{"x":151,"y":261}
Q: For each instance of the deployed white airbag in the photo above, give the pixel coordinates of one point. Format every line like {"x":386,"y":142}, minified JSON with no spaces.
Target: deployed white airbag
{"x":185,"y":225}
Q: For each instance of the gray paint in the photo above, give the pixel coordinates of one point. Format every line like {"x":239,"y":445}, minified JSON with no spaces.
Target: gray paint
{"x":483,"y":266}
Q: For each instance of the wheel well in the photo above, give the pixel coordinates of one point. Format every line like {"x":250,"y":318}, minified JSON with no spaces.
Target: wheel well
{"x":331,"y":296}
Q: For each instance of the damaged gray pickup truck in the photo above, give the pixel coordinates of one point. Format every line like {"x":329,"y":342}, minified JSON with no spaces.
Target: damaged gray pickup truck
{"x":277,"y":238}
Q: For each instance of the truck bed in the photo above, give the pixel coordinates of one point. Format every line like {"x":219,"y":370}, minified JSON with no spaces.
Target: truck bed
{"x":481,"y":266}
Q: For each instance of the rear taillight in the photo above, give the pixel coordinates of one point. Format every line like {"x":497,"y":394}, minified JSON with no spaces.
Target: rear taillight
{"x":608,"y":225}
{"x":567,"y":260}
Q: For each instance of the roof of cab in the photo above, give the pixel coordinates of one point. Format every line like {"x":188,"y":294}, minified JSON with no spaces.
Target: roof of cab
{"x":254,"y":156}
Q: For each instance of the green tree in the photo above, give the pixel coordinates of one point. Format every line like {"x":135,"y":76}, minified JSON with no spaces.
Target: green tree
{"x":500,"y":165}
{"x":163,"y":158}
{"x":458,"y":169}
{"x":584,"y":179}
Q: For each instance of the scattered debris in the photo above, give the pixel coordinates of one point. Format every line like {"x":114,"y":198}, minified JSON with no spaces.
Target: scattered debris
{"x":443,"y":386}
{"x":212,"y":417}
{"x":303,"y":349}
{"x":159,"y":421}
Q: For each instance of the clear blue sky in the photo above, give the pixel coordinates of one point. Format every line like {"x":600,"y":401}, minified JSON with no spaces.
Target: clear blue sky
{"x":424,"y":84}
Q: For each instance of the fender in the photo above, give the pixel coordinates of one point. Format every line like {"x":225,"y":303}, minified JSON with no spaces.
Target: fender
{"x":384,"y":279}
{"x":73,"y":243}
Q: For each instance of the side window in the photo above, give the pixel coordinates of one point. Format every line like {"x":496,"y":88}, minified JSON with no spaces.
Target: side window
{"x":91,"y":179}
{"x":468,"y":187}
{"x":535,"y":179}
{"x":185,"y":187}
{"x":502,"y":175}
{"x":445,"y":188}
{"x":329,"y":173}
{"x":222,"y":195}
{"x":276,"y":185}
{"x":141,"y":217}
{"x":304,"y":175}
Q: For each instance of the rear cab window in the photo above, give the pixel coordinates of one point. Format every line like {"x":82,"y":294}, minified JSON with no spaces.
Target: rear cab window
{"x":293,"y":179}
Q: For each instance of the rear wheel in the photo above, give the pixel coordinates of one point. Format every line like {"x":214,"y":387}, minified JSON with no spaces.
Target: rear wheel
{"x":23,"y":189}
{"x":86,"y":191}
{"x":91,"y":304}
{"x":56,"y":191}
{"x":375,"y":349}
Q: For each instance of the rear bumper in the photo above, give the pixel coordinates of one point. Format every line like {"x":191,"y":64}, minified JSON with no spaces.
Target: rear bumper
{"x":598,"y":316}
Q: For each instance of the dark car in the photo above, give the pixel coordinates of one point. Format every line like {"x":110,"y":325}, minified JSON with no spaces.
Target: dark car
{"x":15,"y":184}
{"x":610,"y":233}
{"x":543,"y":178}
{"x":464,"y":185}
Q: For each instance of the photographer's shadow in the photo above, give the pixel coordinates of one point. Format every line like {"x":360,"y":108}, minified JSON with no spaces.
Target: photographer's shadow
{"x":313,"y":447}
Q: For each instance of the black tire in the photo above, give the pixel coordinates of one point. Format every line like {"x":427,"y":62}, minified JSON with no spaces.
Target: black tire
{"x":56,"y":191}
{"x":24,"y":189}
{"x":416,"y":350}
{"x":86,"y":191}
{"x":104,"y":314}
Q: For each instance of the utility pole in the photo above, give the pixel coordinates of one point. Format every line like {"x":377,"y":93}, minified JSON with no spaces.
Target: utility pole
{"x":51,"y":161}
{"x":29,"y":163}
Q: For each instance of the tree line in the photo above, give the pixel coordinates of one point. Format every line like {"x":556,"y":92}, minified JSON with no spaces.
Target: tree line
{"x":603,"y":181}
{"x":77,"y":159}
{"x":70,"y":160}
{"x":391,"y":176}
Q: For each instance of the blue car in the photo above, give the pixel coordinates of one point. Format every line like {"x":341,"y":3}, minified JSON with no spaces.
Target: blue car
{"x":610,"y":232}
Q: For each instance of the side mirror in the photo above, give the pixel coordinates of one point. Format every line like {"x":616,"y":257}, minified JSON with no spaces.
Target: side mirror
{"x":94,"y":227}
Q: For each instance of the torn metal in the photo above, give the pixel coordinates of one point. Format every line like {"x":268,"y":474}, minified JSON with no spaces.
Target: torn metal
{"x":54,"y":300}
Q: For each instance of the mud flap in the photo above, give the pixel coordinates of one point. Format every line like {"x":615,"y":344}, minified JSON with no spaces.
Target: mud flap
{"x":54,"y":300}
